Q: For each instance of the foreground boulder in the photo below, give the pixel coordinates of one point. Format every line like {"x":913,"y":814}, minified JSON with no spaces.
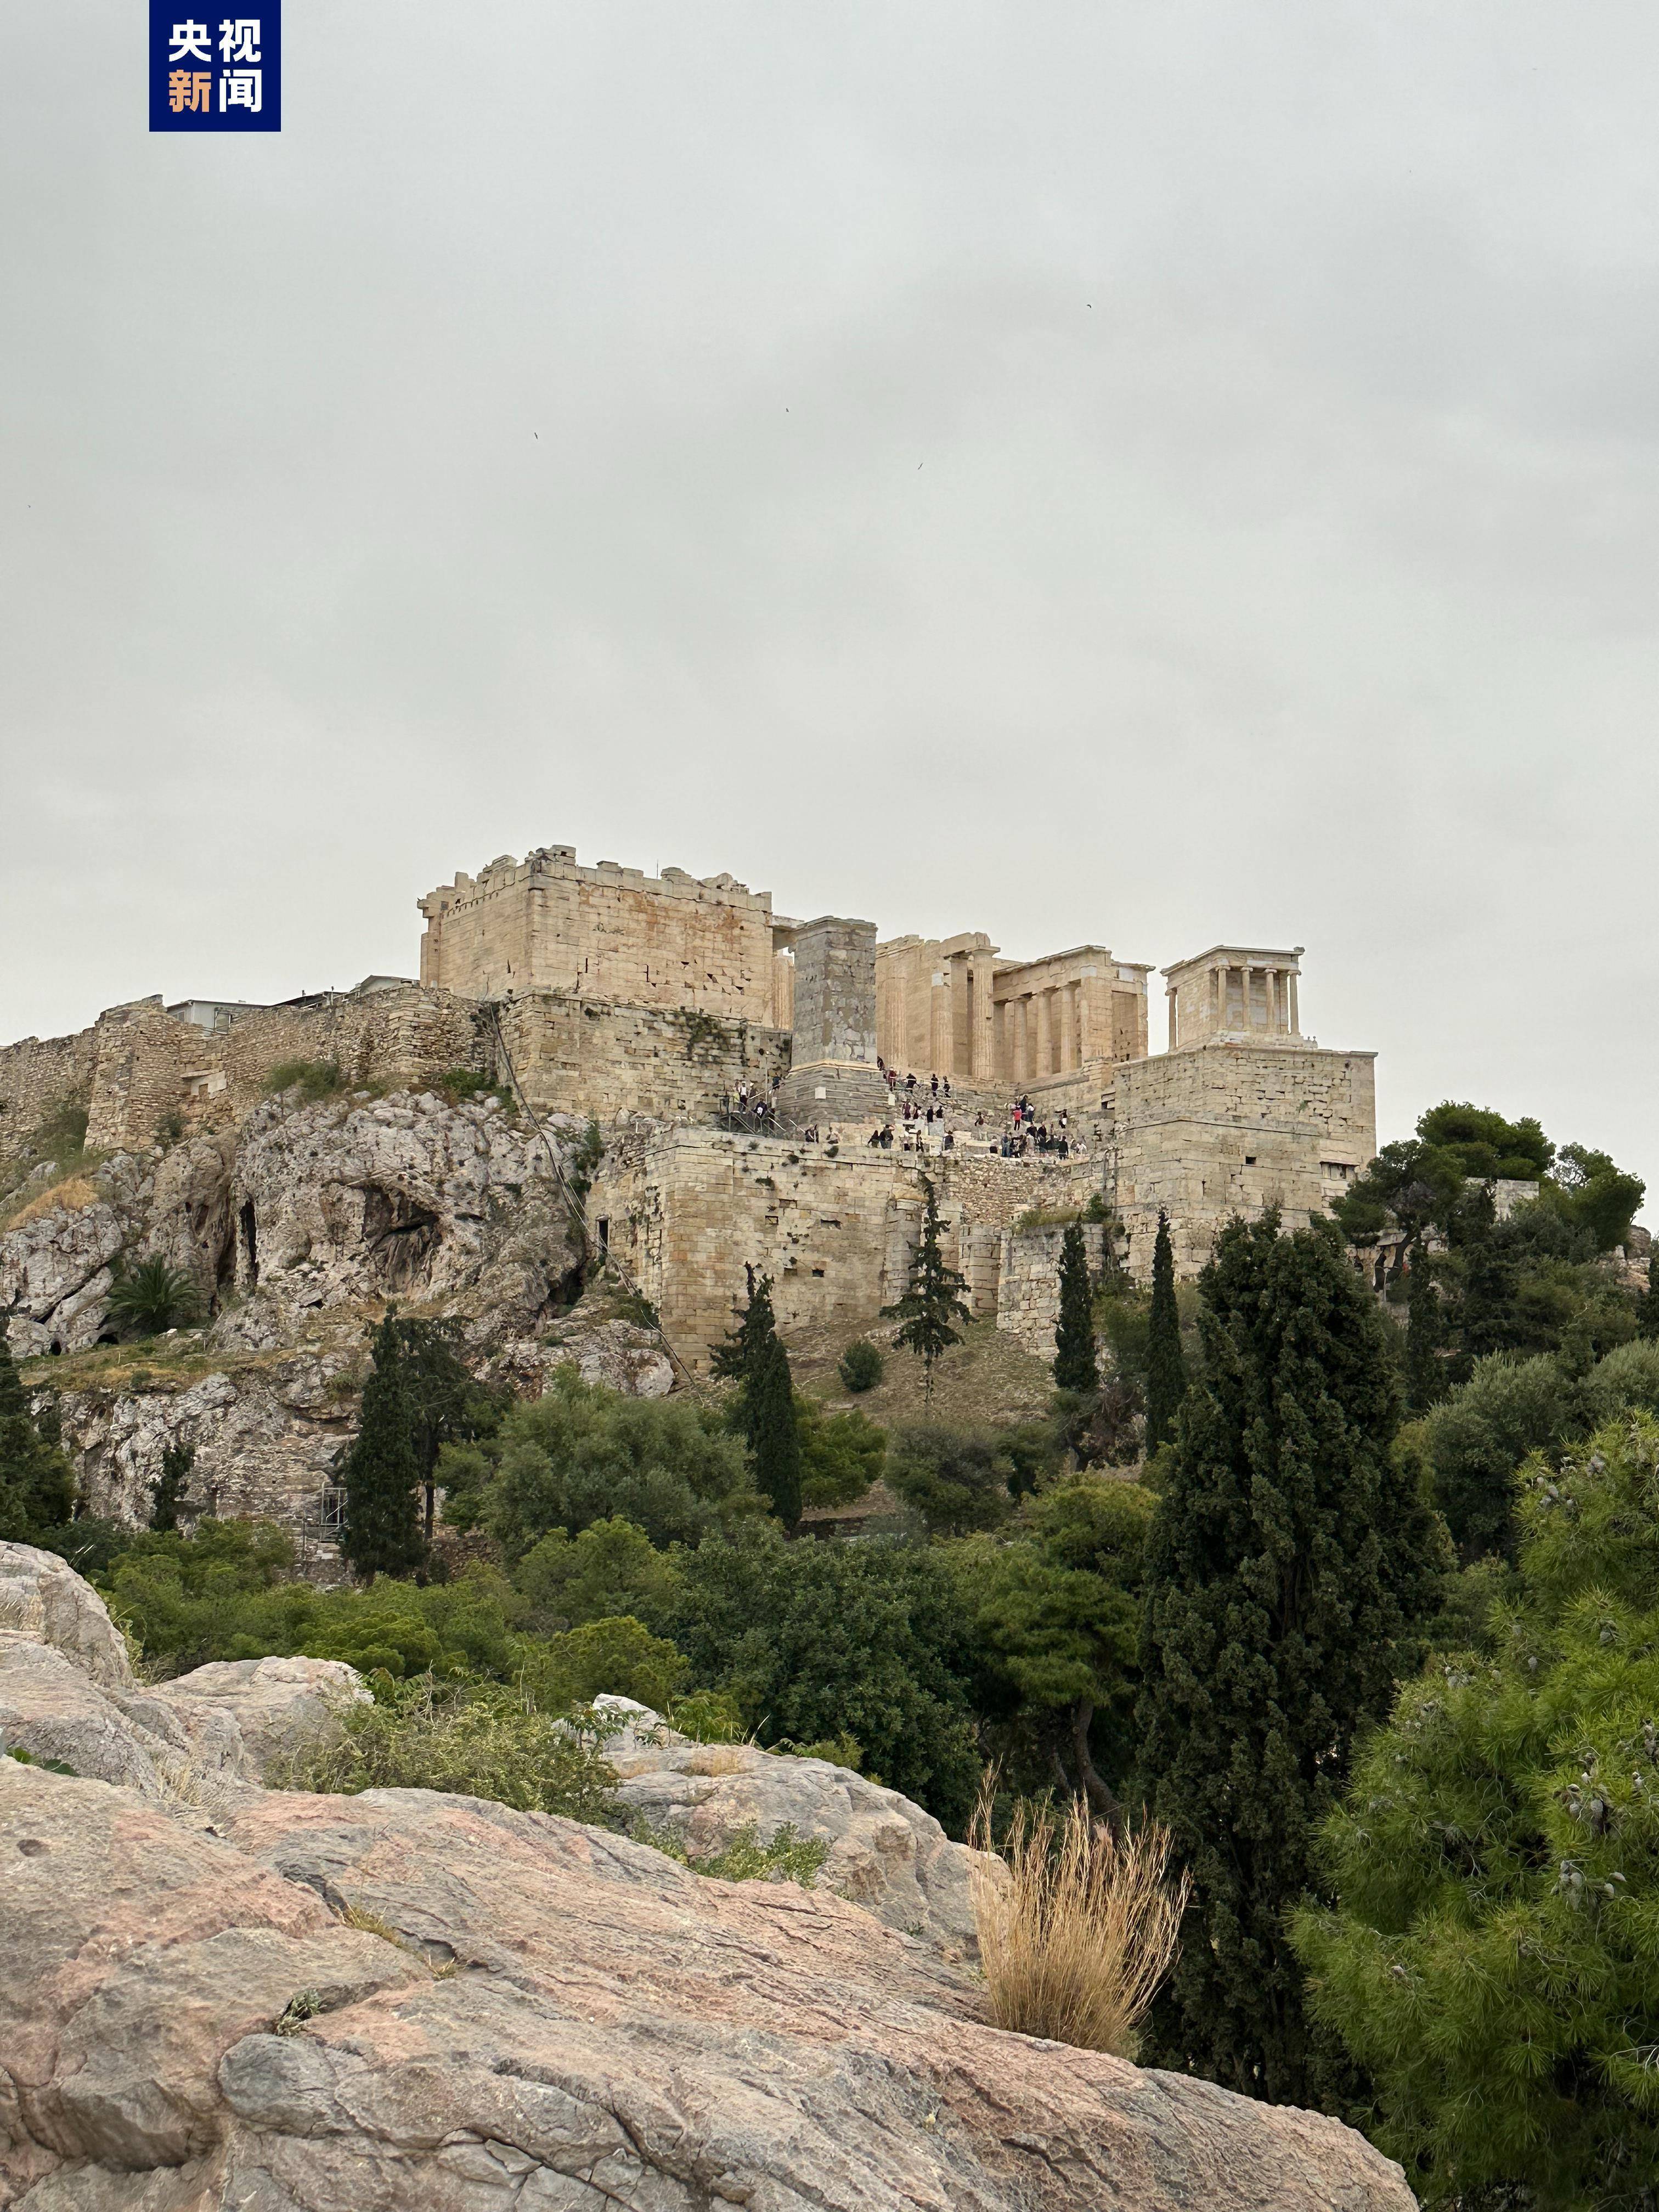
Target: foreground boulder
{"x":68,"y":1696}
{"x":885,"y":1854}
{"x":404,"y":2000}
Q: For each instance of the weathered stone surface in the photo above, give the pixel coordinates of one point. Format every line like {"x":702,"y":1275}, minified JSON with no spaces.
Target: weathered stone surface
{"x":42,"y":1596}
{"x":49,"y":1709}
{"x":275,"y":1707}
{"x":604,"y":2027}
{"x":886,"y":1854}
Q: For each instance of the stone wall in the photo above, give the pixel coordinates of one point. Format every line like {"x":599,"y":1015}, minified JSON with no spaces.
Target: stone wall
{"x":37,"y":1075}
{"x":138,"y":1066}
{"x":610,"y":932}
{"x":1218,"y":1128}
{"x":685,"y":1212}
{"x":1028,"y":1281}
{"x":586,"y":1056}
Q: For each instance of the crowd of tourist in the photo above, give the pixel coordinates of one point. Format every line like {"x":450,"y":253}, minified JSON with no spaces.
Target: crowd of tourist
{"x":924,"y":1119}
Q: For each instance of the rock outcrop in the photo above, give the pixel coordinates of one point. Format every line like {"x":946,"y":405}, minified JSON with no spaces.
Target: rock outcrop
{"x":404,"y":2000}
{"x":68,"y":1696}
{"x":220,"y":1997}
{"x":885,"y":1854}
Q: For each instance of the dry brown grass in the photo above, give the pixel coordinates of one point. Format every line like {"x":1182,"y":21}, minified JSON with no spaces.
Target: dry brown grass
{"x":719,"y":1759}
{"x":1076,"y":1940}
{"x":73,"y":1195}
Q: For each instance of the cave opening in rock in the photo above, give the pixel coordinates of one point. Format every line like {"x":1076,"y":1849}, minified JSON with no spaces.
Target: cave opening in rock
{"x":250,"y":1235}
{"x":402,"y":1235}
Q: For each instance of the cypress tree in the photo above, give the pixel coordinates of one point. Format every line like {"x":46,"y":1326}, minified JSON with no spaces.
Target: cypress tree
{"x":1076,"y":1367}
{"x":934,"y":1299}
{"x":1288,"y":1564}
{"x":1647,"y":1319}
{"x":381,"y":1530}
{"x":754,"y":1357}
{"x":167,"y":1493}
{"x":37,"y":1483}
{"x":1424,"y":1380}
{"x":1166,"y":1364}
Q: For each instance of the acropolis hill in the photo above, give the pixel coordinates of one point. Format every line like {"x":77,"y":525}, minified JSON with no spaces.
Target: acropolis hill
{"x":646,"y":1003}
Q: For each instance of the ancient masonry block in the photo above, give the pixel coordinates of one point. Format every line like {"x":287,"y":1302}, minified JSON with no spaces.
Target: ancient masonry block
{"x":834,"y":1077}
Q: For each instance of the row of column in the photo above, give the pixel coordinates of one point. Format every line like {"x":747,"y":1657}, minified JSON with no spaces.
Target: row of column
{"x":1279,"y":995}
{"x":1042,"y":1033}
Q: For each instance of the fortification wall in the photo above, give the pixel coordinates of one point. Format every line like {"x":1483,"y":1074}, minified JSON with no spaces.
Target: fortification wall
{"x":834,"y":1235}
{"x":1027,"y":1280}
{"x":150,"y":1066}
{"x":586,"y":1056}
{"x":546,"y":924}
{"x":38,"y":1075}
{"x":685,"y":1211}
{"x":1215,"y":1129}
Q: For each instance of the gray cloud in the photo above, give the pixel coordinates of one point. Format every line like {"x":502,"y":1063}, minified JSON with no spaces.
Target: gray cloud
{"x":1076,"y":471}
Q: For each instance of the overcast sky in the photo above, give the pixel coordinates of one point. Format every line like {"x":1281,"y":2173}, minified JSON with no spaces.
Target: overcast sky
{"x":1143,"y":474}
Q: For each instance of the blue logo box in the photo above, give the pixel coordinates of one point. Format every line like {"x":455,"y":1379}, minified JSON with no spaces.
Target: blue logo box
{"x":209,"y":72}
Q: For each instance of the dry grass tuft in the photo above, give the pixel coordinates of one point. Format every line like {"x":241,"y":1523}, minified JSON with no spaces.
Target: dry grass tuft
{"x":73,"y":1195}
{"x":719,"y":1759}
{"x":1077,"y":1939}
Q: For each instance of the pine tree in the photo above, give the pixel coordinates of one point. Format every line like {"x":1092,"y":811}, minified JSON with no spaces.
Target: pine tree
{"x":1076,"y":1367}
{"x":754,"y":1357}
{"x":381,"y":1531}
{"x":167,"y":1491}
{"x":1166,"y":1364}
{"x":932,"y":1301}
{"x":1289,"y":1563}
{"x":37,"y":1483}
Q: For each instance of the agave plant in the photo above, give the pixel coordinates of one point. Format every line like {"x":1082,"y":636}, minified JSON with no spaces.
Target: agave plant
{"x":153,"y":1296}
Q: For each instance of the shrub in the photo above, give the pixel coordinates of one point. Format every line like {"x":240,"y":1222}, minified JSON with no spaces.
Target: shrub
{"x":957,"y":1480}
{"x":842,"y":1455}
{"x":1076,"y":1938}
{"x":785,"y":1858}
{"x":474,"y":1739}
{"x":311,"y":1078}
{"x":860,"y":1367}
{"x":611,"y":1568}
{"x":619,"y":1656}
{"x":151,"y":1298}
{"x":584,"y":1453}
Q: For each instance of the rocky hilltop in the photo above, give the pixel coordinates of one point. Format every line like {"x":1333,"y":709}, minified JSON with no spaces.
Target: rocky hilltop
{"x":218,"y":1995}
{"x":296,"y":1226}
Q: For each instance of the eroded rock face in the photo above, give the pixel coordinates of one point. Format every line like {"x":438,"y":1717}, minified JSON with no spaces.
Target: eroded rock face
{"x":42,"y":1598}
{"x":402,"y":1197}
{"x":564,"y":2019}
{"x":886,"y":1854}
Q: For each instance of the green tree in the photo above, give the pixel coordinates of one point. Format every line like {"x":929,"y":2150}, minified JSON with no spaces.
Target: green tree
{"x":1648,"y":1320}
{"x":822,"y":1640}
{"x":167,"y":1492}
{"x":1166,"y":1364}
{"x":861,"y":1366}
{"x":1056,"y":1624}
{"x":583,"y":1453}
{"x":37,"y":1483}
{"x":380,"y":1532}
{"x":934,"y":1299}
{"x":764,"y":1411}
{"x":612,"y":1568}
{"x":1289,"y":1562}
{"x":151,"y":1298}
{"x":1075,"y":1367}
{"x":1491,"y":1959}
{"x":1425,"y":1379}
{"x":842,"y":1455}
{"x":954,"y":1479}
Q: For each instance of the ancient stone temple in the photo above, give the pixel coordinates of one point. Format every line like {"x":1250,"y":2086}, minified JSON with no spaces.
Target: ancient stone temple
{"x":1056,"y":1024}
